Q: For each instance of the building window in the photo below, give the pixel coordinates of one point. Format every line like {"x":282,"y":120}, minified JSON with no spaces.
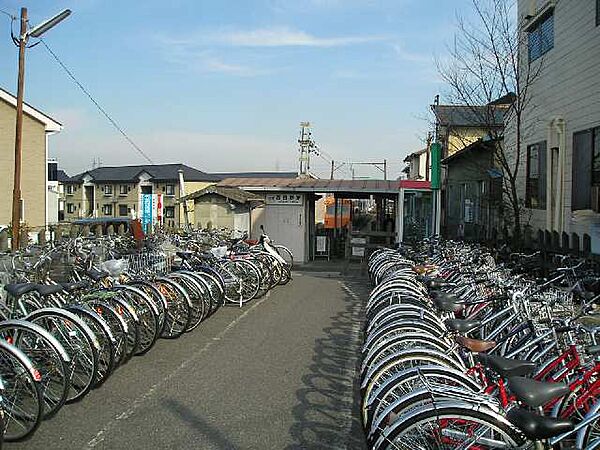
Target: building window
{"x":123,"y":189}
{"x":69,"y":189}
{"x":169,"y":212}
{"x":123,"y":211}
{"x":170,"y":189}
{"x":541,"y":37}
{"x":535,"y":188}
{"x":108,"y":189}
{"x":107,"y":210}
{"x":586,"y":169}
{"x":52,"y":171}
{"x":70,"y":208}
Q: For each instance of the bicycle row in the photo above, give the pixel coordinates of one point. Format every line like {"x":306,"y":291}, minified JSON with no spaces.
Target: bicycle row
{"x":60,"y":339}
{"x":461,"y":352}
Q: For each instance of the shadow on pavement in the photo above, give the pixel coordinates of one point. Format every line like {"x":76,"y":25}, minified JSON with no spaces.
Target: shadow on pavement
{"x":199,"y":425}
{"x":327,"y":413}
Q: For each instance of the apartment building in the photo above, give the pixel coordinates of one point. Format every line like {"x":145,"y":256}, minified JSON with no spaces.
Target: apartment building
{"x":106,"y":192}
{"x":37,"y":126}
{"x":560,"y":180}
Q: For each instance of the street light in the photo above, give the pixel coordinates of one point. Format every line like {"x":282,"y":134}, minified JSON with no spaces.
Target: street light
{"x":24,"y":36}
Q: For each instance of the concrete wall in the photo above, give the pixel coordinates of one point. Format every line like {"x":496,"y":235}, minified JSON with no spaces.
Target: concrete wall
{"x":565,"y":99}
{"x":33,"y":173}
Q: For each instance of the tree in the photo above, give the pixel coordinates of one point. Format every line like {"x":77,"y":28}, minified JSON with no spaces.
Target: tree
{"x":486,"y":62}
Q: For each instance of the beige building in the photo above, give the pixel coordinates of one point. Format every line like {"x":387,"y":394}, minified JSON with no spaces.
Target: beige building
{"x":107,"y":192}
{"x":37,"y":126}
{"x":560,"y":176}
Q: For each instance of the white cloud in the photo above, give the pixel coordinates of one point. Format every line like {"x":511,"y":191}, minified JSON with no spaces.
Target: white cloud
{"x":287,"y":37}
{"x":267,"y":37}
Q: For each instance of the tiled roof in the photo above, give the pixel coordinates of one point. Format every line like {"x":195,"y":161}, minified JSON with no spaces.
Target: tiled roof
{"x":469,"y":116}
{"x":232,"y":193}
{"x":158,"y":172}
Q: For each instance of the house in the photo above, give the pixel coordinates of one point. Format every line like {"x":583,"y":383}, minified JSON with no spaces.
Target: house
{"x":118,"y":191}
{"x":223,"y":207}
{"x":417,"y":165}
{"x":458,"y":126}
{"x":473,"y":192}
{"x":37,"y":126}
{"x":560,"y":177}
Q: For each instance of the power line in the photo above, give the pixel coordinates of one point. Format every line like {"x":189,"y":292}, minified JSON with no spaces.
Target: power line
{"x":100,"y":108}
{"x":12,"y":16}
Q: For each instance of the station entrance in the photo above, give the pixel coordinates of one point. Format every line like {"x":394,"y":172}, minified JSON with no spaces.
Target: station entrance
{"x":339,"y":219}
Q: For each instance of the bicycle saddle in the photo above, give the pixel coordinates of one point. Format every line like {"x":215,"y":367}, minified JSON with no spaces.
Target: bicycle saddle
{"x":184,"y":255}
{"x":538,"y":427}
{"x":18,"y":289}
{"x":536,"y":393}
{"x":462,"y":325}
{"x":474,"y":345}
{"x":70,"y":287}
{"x":96,"y":274}
{"x":48,"y":289}
{"x":506,"y":367}
{"x":446,"y":302}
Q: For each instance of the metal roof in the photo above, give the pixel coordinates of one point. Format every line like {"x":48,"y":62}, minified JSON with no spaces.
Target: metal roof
{"x":256,"y":175}
{"x":321,"y":185}
{"x":232,"y":193}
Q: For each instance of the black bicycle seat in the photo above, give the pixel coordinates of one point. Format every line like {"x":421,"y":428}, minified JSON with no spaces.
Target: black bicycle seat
{"x":70,"y":287}
{"x":462,"y":325}
{"x":18,"y":289}
{"x":48,"y":289}
{"x":536,"y":393}
{"x":537,"y":427}
{"x":96,"y":274}
{"x":184,"y":255}
{"x":506,"y":367}
{"x":446,"y":302}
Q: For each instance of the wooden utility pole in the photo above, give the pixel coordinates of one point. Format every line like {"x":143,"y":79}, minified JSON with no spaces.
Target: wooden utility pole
{"x":16,"y":204}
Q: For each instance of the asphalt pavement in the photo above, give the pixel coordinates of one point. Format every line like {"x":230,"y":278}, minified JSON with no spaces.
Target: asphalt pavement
{"x":279,"y":373}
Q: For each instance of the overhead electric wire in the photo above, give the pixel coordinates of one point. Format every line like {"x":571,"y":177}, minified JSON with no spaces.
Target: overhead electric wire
{"x":95,"y":102}
{"x":12,"y":16}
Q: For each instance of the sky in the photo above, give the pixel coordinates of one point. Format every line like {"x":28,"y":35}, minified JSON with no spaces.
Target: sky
{"x":223,"y":85}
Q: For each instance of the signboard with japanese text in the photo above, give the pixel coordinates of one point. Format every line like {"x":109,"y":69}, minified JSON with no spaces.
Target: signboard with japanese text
{"x":147,"y":210}
{"x":285,"y":199}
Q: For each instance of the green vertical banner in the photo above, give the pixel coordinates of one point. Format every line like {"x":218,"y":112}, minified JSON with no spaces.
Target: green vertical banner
{"x":436,"y":165}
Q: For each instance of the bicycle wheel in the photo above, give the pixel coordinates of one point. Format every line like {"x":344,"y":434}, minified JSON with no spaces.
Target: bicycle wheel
{"x":147,"y":313}
{"x":196,"y":294}
{"x":248,"y":274}
{"x":403,"y":384}
{"x":450,"y":425}
{"x":80,"y":343}
{"x":178,"y":308}
{"x":118,"y":328}
{"x":21,"y":393}
{"x":102,"y":331}
{"x":127,"y":312}
{"x":47,"y":355}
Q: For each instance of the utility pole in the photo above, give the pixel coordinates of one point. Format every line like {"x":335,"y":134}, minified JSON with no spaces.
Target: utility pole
{"x":16,"y":200}
{"x":24,"y":36}
{"x":332,"y":169}
{"x":385,"y":169}
{"x":306,"y":146}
